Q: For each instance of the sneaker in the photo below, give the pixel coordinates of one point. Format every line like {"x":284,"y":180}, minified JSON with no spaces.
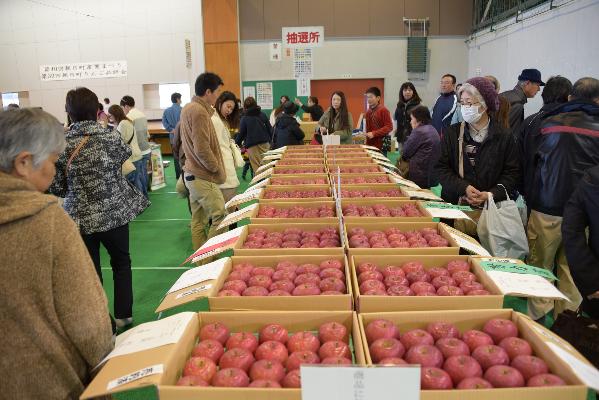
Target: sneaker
{"x":123,"y":322}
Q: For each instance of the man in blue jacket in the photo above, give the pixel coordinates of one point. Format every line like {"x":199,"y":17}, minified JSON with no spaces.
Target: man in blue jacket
{"x":170,"y":119}
{"x":446,"y":104}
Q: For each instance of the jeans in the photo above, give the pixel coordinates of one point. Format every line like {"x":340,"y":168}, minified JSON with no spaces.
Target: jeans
{"x":135,"y":179}
{"x":207,"y":209}
{"x":142,"y":170}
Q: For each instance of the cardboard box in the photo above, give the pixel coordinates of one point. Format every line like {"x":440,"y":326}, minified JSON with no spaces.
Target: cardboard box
{"x":296,"y":155}
{"x":254,"y":219}
{"x":301,"y":161}
{"x":281,"y":170}
{"x":389,"y":203}
{"x":376,"y":188}
{"x":290,"y":180}
{"x":475,"y":319}
{"x":350,"y":161}
{"x":283,"y":188}
{"x":174,"y":356}
{"x":364,"y":168}
{"x":453,"y":248}
{"x":368,"y":304}
{"x":346,"y":178}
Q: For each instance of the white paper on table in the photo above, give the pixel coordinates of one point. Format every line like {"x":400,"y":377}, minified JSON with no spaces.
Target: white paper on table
{"x":404,"y":182}
{"x":266,"y":166}
{"x":363,"y":383}
{"x":585,"y":372}
{"x":525,"y":285}
{"x":134,"y":376}
{"x":277,"y":150}
{"x":392,"y":173}
{"x":217,"y":244}
{"x":199,"y":274}
{"x":262,"y":175}
{"x":369,"y":147}
{"x":243,"y":197}
{"x":466,"y":242}
{"x":447,"y":213}
{"x":376,"y":154}
{"x":272,"y":157}
{"x":223,"y":237}
{"x":195,"y":290}
{"x":258,"y":185}
{"x":419,"y":194}
{"x":237,"y":216}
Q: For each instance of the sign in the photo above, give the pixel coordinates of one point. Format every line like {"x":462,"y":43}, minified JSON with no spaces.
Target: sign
{"x":277,"y":150}
{"x":508,"y":266}
{"x":244,"y":197}
{"x":259,"y":185}
{"x":303,"y":36}
{"x":404,"y":182}
{"x":264,"y":95}
{"x":271,"y":157}
{"x":302,"y":63}
{"x":422,"y":194}
{"x":364,"y":146}
{"x":216,"y":244}
{"x":446,"y":210}
{"x":249,"y":91}
{"x":588,"y":374}
{"x":275,"y":51}
{"x":199,"y":274}
{"x":516,"y":284}
{"x":466,"y":242}
{"x":158,"y":179}
{"x":134,"y":376}
{"x":303,"y":86}
{"x":237,"y":216}
{"x":266,"y":166}
{"x":190,"y":292}
{"x":85,"y":70}
{"x":260,"y":176}
{"x":446,"y":206}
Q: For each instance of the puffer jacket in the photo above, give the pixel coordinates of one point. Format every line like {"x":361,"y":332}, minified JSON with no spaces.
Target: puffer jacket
{"x":254,"y":128}
{"x":287,"y":132}
{"x":402,"y":116}
{"x":422,"y":150}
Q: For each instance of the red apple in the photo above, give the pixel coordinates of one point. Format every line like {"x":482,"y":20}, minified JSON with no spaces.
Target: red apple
{"x":366,"y":267}
{"x":529,"y":366}
{"x":425,"y":355}
{"x":270,"y":370}
{"x":478,"y":292}
{"x":499,"y":329}
{"x":228,"y":293}
{"x":262,"y":271}
{"x":437,"y":271}
{"x":237,"y":285}
{"x":372,"y":284}
{"x":439,"y":330}
{"x":463,"y":276}
{"x":457,"y":265}
{"x":474,"y":338}
{"x":474,"y":383}
{"x":332,"y":273}
{"x":375,"y":292}
{"x":449,"y":291}
{"x":209,"y":348}
{"x":423,"y":287}
{"x":301,"y":357}
{"x":285,"y":285}
{"x":263,"y":383}
{"x":367,"y":275}
{"x":399,"y":290}
{"x":490,"y":355}
{"x":231,"y":377}
{"x":242,"y":340}
{"x":334,"y":348}
{"x":393,"y":270}
{"x":272,"y":350}
{"x":335,"y":284}
{"x":238,"y":275}
{"x":336,"y":264}
{"x":441,"y":281}
{"x":336,"y":361}
{"x":381,"y":329}
{"x":237,"y":358}
{"x":274,"y":332}
{"x":470,"y":286}
{"x":308,"y":269}
{"x":292,"y":379}
{"x":393,"y":361}
{"x":203,"y":367}
{"x":432,"y":378}
{"x":386,"y":348}
{"x":278,"y":292}
{"x":301,"y":341}
{"x":191,"y":380}
{"x":256,"y":290}
{"x":216,"y":331}
{"x":462,"y":367}
{"x":502,"y":376}
{"x":545,"y":380}
{"x":412,"y":266}
{"x":393,"y":280}
{"x":284,"y":275}
{"x":515,"y":346}
{"x":306,"y":289}
{"x":332,"y":331}
{"x":452,"y":347}
{"x":307,"y":278}
{"x":416,"y":337}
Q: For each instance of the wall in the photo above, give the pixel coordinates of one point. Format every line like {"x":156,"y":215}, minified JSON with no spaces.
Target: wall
{"x":361,"y":58}
{"x":148,"y":34}
{"x":562,"y":41}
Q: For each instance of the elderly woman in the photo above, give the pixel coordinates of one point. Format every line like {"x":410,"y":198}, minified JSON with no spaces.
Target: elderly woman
{"x":97,"y":196}
{"x":478,"y":156}
{"x":55,"y":323}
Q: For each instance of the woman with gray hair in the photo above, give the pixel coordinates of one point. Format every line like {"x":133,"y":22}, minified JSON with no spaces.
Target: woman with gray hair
{"x":478,"y":156}
{"x":55,"y":322}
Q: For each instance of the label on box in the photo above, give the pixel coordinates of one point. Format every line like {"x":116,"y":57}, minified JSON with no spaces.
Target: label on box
{"x":364,"y":146}
{"x":262,"y":175}
{"x":189,"y":292}
{"x":376,"y":154}
{"x":142,"y":373}
{"x":446,"y":210}
{"x":466,"y":242}
{"x":237,"y":216}
{"x":446,"y":206}
{"x":519,"y":284}
{"x":588,"y":374}
{"x":243,"y":198}
{"x":517,"y":268}
{"x":275,"y":151}
{"x":361,"y":383}
{"x":404,"y":182}
{"x":547,"y":334}
{"x":199,"y":274}
{"x":258,"y":185}
{"x":385,"y":163}
{"x":422,"y":194}
{"x":216,"y":245}
{"x":273,"y":157}
{"x":265,"y":167}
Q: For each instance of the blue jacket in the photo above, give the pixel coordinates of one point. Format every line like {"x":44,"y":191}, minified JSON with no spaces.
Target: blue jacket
{"x":443,"y":110}
{"x":170,"y":117}
{"x":423,"y":149}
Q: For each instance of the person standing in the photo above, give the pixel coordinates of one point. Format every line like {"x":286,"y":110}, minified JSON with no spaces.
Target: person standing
{"x":422,"y":149}
{"x":204,"y":169}
{"x":226,"y":110}
{"x":277,"y":111}
{"x":140,"y":122}
{"x":378,"y":119}
{"x":337,"y":120}
{"x":408,"y":100}
{"x":287,"y":131}
{"x":124,"y":127}
{"x":255,"y":132}
{"x":529,"y":84}
{"x":313,"y":108}
{"x":170,"y":119}
{"x":446,"y":104}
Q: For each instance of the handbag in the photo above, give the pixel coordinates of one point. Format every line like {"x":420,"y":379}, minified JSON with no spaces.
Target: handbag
{"x":404,"y":167}
{"x":128,"y":165}
{"x":581,"y":332}
{"x":74,"y":154}
{"x":386,"y":143}
{"x":237,"y":157}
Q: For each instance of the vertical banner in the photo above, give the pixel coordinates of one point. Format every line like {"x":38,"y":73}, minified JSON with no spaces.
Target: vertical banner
{"x":275,"y":51}
{"x":303,"y":86}
{"x":158,"y":179}
{"x":302,"y":63}
{"x":264,"y":95}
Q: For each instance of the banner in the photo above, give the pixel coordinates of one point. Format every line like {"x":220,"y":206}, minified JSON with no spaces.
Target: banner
{"x":85,"y":70}
{"x":158,"y":180}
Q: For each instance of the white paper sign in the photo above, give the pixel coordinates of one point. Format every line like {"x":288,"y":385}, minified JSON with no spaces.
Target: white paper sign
{"x":272,"y":157}
{"x":303,"y":86}
{"x":243,"y":198}
{"x":585,"y":372}
{"x":260,"y":176}
{"x":198,"y":289}
{"x":84,"y":70}
{"x":364,"y":146}
{"x":217,"y":244}
{"x":275,"y":51}
{"x":385,"y":163}
{"x":264,"y":95}
{"x":259,"y":185}
{"x":404,"y":182}
{"x":303,"y":36}
{"x":447,"y":213}
{"x":418,"y":194}
{"x":278,"y":150}
{"x":199,"y":274}
{"x":249,"y":91}
{"x":360,"y":383}
{"x":134,"y":376}
{"x":525,"y":285}
{"x":266,"y":166}
{"x":237,"y":216}
{"x":302,"y":63}
{"x":466,"y":242}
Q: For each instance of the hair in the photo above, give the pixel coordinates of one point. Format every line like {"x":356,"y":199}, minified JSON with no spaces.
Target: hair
{"x":175,"y":97}
{"x":453,"y":78}
{"x":233,"y":118}
{"x":207,"y":80}
{"x":285,"y":97}
{"x":82,"y":105}
{"x":31,"y":130}
{"x":279,"y":109}
{"x":586,"y":89}
{"x":494,"y":81}
{"x":100,"y":106}
{"x":249,"y":102}
{"x":415,"y":97}
{"x":118,"y":113}
{"x":472,"y":91}
{"x":557,"y":89}
{"x":503,"y":112}
{"x":127,"y":101}
{"x":522,"y":83}
{"x":12,"y":106}
{"x":313,"y":99}
{"x":374,"y":90}
{"x":106,"y":100}
{"x":421,"y":114}
{"x":343,"y":111}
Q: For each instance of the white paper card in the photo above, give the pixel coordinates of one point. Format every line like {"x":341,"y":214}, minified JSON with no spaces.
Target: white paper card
{"x":277,"y":150}
{"x":243,"y":198}
{"x":360,"y":383}
{"x":587,"y":373}
{"x":199,"y":274}
{"x":258,"y":185}
{"x":404,"y":182}
{"x":261,"y":176}
{"x":369,"y":147}
{"x":418,"y":194}
{"x":217,"y":243}
{"x":265,"y":166}
{"x":466,"y":242}
{"x":447,"y":213}
{"x":273,"y":157}
{"x":525,"y":285}
{"x":385,"y":163}
{"x":249,"y":91}
{"x":237,"y":216}
{"x":189,"y":292}
{"x":134,"y":376}
{"x":303,"y":86}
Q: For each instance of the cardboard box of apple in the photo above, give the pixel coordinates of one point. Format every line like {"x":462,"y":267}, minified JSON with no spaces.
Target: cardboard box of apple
{"x":292,"y":238}
{"x":370,"y":192}
{"x":299,"y":180}
{"x":298,"y":170}
{"x":304,"y":211}
{"x":291,"y":192}
{"x":302,"y":161}
{"x":364,"y":179}
{"x":348,"y":169}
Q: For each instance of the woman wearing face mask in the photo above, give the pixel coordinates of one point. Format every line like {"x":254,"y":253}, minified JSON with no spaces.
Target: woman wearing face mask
{"x":422,"y":149}
{"x":226,"y":115}
{"x":408,"y":100}
{"x":479,"y":155}
{"x":337,"y":120}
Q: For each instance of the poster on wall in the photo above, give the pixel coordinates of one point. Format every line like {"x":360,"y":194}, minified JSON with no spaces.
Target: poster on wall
{"x":86,"y":70}
{"x":264,"y":95}
{"x":303,"y":86}
{"x":303,"y":36}
{"x":302,"y":63}
{"x":158,"y":179}
{"x":249,"y":91}
{"x":275,"y":51}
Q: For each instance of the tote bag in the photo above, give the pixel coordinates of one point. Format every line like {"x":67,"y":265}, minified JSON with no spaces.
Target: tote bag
{"x":237,"y":157}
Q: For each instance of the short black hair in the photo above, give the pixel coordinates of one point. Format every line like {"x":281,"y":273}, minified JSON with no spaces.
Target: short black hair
{"x":556,"y":90}
{"x":249,"y":102}
{"x":82,"y":105}
{"x":314,"y":99}
{"x":100,"y":106}
{"x":174,"y":97}
{"x":422,"y":114}
{"x":374,"y":90}
{"x":207,"y":80}
{"x":127,"y":101}
{"x":453,"y":78}
{"x":106,"y":100}
{"x":586,"y":89}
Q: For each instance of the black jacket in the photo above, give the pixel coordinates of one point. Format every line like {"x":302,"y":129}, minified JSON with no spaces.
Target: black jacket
{"x":287,"y":132}
{"x":315,"y":111}
{"x":517,"y":99}
{"x":569,"y":146}
{"x":581,"y":213}
{"x":402,"y":116}
{"x":254,"y":128}
{"x":496,"y":163}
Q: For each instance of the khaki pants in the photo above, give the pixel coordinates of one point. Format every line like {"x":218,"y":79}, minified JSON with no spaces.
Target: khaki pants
{"x":255,"y":154}
{"x":468,"y":226}
{"x":228,"y":193}
{"x":207,"y":210}
{"x":547,"y":251}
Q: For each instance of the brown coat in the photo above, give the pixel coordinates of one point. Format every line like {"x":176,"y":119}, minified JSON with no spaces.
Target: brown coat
{"x":54,"y":314}
{"x":199,"y":142}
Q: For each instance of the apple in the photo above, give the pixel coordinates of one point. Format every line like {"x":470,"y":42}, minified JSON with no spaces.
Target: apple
{"x":284,"y":275}
{"x":306,"y":289}
{"x":279,"y":293}
{"x":502,"y":376}
{"x":332,"y":284}
{"x":270,"y":370}
{"x":386,"y":348}
{"x":392,"y":361}
{"x":412,"y":266}
{"x":452,"y":347}
{"x":263,"y":383}
{"x":367,"y":275}
{"x":216,"y":331}
{"x":307,"y":278}
{"x":191,"y":380}
{"x":262,"y":271}
{"x":334,"y":348}
{"x":336,"y":264}
{"x":308,"y":269}
{"x":272,"y":350}
{"x":202,"y":367}
{"x":237,"y":358}
{"x":490,"y":355}
{"x":545,"y":380}
{"x":529,"y":366}
{"x":332,"y":273}
{"x":423,"y":287}
{"x":231,"y":377}
{"x":292,"y":379}
{"x":449,"y":291}
{"x":439,"y":330}
{"x":442,"y":281}
{"x":236,"y":285}
{"x":256,"y":291}
{"x":392,"y":270}
{"x":372,"y":284}
{"x":393,"y":280}
{"x":478,"y":292}
{"x":336,"y":361}
{"x":242,"y":340}
{"x":301,"y":341}
{"x":209,"y":348}
{"x":470,"y":286}
{"x":474,"y":383}
{"x":425,"y":355}
{"x":284,"y":285}
{"x":416,"y":337}
{"x":475,"y":338}
{"x":515,"y":346}
{"x":418,"y":276}
{"x":432,"y":378}
{"x":399,"y":290}
{"x":381,"y":329}
{"x":332,"y":331}
{"x":301,"y":357}
{"x":462,"y":367}
{"x":463,"y":276}
{"x":499,"y":329}
{"x":457,"y":265}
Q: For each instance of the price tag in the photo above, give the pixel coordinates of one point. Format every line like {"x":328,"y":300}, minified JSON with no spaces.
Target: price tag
{"x":265,"y":167}
{"x":238,"y":216}
{"x":199,"y":289}
{"x":466,"y":242}
{"x":588,"y":374}
{"x":279,"y":150}
{"x":523,"y":285}
{"x":422,"y":194}
{"x":218,"y":242}
{"x":142,"y":373}
{"x":369,"y":147}
{"x":446,"y":210}
{"x":377,"y":155}
{"x":506,"y":266}
{"x":404,"y":182}
{"x":273,"y":157}
{"x":199,"y":274}
{"x":446,"y":206}
{"x":243,"y":198}
{"x":385,"y":163}
{"x":258,"y":185}
{"x":262,"y":175}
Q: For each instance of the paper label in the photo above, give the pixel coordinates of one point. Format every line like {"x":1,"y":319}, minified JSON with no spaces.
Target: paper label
{"x":217,"y":244}
{"x":237,"y":216}
{"x":243,"y":198}
{"x":142,"y":373}
{"x":385,"y":163}
{"x":199,"y":274}
{"x":588,"y":374}
{"x":447,"y":214}
{"x":361,"y":383}
{"x":369,"y":147}
{"x":516,"y":268}
{"x":260,"y":176}
{"x":404,"y":182}
{"x":189,"y":292}
{"x":258,"y":185}
{"x":518,"y":284}
{"x":466,"y":242}
{"x":553,"y":337}
{"x":276,"y":151}
{"x":265,"y":167}
{"x":446,"y":206}
{"x":273,"y":157}
{"x":376,"y":154}
{"x":419,"y":194}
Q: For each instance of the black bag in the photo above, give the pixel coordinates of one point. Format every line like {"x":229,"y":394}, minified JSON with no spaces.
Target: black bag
{"x":581,"y":332}
{"x":386,"y":147}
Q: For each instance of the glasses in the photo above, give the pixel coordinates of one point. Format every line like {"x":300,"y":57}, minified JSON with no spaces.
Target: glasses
{"x":469,"y":104}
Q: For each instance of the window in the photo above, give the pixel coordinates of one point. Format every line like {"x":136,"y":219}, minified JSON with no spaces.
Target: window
{"x":10,"y":98}
{"x":165,"y":90}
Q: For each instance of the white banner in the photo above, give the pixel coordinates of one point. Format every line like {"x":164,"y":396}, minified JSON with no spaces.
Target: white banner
{"x":303,"y":36}
{"x":85,"y":70}
{"x":158,"y":178}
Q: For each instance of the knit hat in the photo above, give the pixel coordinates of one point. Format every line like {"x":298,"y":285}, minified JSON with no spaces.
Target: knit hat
{"x":487,"y":91}
{"x":290,"y":108}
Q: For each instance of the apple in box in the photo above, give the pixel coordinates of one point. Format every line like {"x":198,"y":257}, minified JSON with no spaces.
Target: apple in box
{"x":292,"y":379}
{"x":499,"y":329}
{"x":503,"y":376}
{"x":452,"y":347}
{"x":191,"y":380}
{"x":202,"y":367}
{"x":242,"y":340}
{"x":462,"y":367}
{"x":490,"y":355}
{"x":274,"y":332}
{"x":384,"y":348}
{"x":272,"y":350}
{"x":209,"y":348}
{"x":231,"y":377}
{"x":425,"y":355}
{"x":515,"y":346}
{"x":237,"y":358}
{"x":334,"y":348}
{"x":216,"y":331}
{"x":381,"y":329}
{"x":440,"y":330}
{"x":529,"y":366}
{"x":263,"y":383}
{"x":270,"y":370}
{"x":301,"y":357}
{"x":301,"y":341}
{"x":473,"y":384}
{"x":545,"y":380}
{"x":475,"y":338}
{"x":416,"y":337}
{"x":432,"y":378}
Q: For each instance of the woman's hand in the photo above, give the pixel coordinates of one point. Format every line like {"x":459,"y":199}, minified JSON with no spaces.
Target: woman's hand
{"x":323,"y":130}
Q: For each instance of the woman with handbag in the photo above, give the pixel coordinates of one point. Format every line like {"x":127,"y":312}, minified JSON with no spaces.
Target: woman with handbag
{"x":227,"y":109}
{"x":337,"y":120}
{"x":96,"y":194}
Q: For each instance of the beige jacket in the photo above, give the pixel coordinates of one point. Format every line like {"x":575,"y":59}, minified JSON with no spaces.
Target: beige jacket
{"x":224,"y":141}
{"x":129,"y":136}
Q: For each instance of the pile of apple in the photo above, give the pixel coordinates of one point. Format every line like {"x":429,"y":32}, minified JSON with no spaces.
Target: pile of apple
{"x":304,"y":170}
{"x":353,"y":193}
{"x":355,"y":170}
{"x":286,"y":279}
{"x":296,"y":194}
{"x":304,"y":161}
{"x":394,"y":237}
{"x":322,"y":211}
{"x":271,"y":359}
{"x":303,"y":155}
{"x":292,"y":238}
{"x":381,"y":210}
{"x":492,"y":358}
{"x":342,"y":161}
{"x":360,"y":180}
{"x":298,"y":181}
{"x":413,"y":279}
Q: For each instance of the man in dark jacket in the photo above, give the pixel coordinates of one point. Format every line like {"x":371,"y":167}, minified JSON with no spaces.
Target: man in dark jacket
{"x":255,"y":132}
{"x":287,"y":131}
{"x":529,"y":84}
{"x":569,"y":146}
{"x":446,"y":104}
{"x":580,"y":214}
{"x":312,"y":108}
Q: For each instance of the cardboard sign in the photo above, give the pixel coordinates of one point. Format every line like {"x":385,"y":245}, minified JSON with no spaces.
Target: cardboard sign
{"x":369,"y":147}
{"x":508,"y":266}
{"x":243,"y":198}
{"x":588,"y":374}
{"x":237,"y":216}
{"x":446,"y":210}
{"x":217,"y":244}
{"x":199,"y":274}
{"x":273,"y":157}
{"x":446,"y":206}
{"x":404,"y":182}
{"x":517,"y":284}
{"x":466,"y":242}
{"x":123,"y":380}
{"x":260,"y":176}
{"x":265,"y":167}
{"x":199,"y":289}
{"x":385,"y":163}
{"x":258,"y":185}
{"x":422,"y":195}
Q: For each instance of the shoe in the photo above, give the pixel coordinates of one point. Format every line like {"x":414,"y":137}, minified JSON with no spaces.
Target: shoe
{"x":243,"y":177}
{"x":123,"y":322}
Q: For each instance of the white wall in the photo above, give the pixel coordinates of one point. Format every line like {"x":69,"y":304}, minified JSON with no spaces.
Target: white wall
{"x":364,"y":58}
{"x":563,"y":41}
{"x":148,"y":34}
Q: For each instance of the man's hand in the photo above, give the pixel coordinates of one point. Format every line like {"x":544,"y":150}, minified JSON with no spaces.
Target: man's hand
{"x":323,"y":130}
{"x":369,"y":135}
{"x":472,"y":193}
{"x":298,"y":102}
{"x":594,"y":296}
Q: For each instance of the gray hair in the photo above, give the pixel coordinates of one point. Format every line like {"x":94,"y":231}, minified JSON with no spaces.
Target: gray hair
{"x":30,"y":130}
{"x":522,"y":83}
{"x":472,"y":91}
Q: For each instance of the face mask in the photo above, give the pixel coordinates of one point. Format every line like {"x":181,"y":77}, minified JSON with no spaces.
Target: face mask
{"x":471,"y":114}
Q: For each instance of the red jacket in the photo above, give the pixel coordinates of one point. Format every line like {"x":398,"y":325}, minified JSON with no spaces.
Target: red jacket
{"x":378,"y":121}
